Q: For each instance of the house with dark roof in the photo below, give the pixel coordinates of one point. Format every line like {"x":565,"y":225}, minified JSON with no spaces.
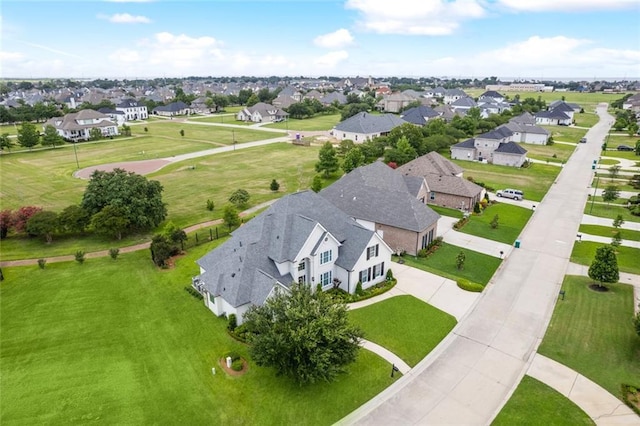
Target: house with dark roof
{"x":464,"y":104}
{"x":300,"y":238}
{"x":419,"y":115}
{"x":491,"y":96}
{"x":172,"y":109}
{"x":527,"y":133}
{"x":332,"y":97}
{"x":553,"y":118}
{"x":493,"y":147}
{"x":115,"y":116}
{"x":77,"y":126}
{"x":364,"y":126}
{"x":385,"y":201}
{"x":395,"y":102}
{"x":261,"y":113}
{"x":133,"y":110}
{"x":452,"y":95}
{"x":446,"y":185}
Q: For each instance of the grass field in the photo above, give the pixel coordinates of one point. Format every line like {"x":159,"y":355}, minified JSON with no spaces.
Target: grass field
{"x":478,"y":267}
{"x":221,"y":119}
{"x":46,"y":181}
{"x":511,"y":221}
{"x":566,"y":134}
{"x":587,"y":100}
{"x":592,"y":333}
{"x":398,"y":324}
{"x":121,"y":342}
{"x":561,"y":151}
{"x":585,"y":251}
{"x":586,"y":119}
{"x":535,"y":181}
{"x":610,"y":211}
{"x":214,"y":135}
{"x":533,"y":403}
{"x":445,"y":211}
{"x":604,"y":231}
{"x":317,"y":123}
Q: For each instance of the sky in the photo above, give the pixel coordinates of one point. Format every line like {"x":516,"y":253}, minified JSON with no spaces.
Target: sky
{"x":511,"y":39}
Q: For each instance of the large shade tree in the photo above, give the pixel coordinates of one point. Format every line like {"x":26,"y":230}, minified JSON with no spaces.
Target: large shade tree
{"x":302,"y":334}
{"x":139,"y":199}
{"x":604,"y":268}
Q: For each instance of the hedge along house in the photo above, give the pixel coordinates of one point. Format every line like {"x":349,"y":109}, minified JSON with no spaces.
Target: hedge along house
{"x":301,"y":238}
{"x":383,"y":200}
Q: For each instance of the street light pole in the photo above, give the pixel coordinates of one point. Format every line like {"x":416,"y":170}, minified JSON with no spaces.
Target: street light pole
{"x":75,"y":152}
{"x":594,"y":192}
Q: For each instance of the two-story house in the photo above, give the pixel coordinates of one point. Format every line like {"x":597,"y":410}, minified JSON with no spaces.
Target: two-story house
{"x":493,"y":147}
{"x":364,"y":126}
{"x":300,"y":238}
{"x":77,"y":126}
{"x":261,"y":113}
{"x":133,"y":110}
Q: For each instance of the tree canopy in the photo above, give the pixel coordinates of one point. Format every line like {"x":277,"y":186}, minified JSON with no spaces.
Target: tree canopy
{"x":328,"y":160}
{"x":139,"y":199}
{"x":604,"y":267}
{"x":28,"y":136}
{"x":302,"y":334}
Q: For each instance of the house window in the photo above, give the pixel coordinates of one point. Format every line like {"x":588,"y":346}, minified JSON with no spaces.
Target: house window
{"x":325,"y":257}
{"x":365,"y":275}
{"x":302,"y":279}
{"x":301,"y":266}
{"x":212,"y":299}
{"x":432,"y":195}
{"x":325,"y":279}
{"x":372,"y":251}
{"x":378,"y":270}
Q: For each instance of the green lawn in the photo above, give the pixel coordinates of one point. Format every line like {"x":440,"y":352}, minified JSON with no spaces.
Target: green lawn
{"x":195,"y":132}
{"x":610,"y":211}
{"x":561,"y":151}
{"x":445,"y":211}
{"x":221,"y":118}
{"x":535,"y":180}
{"x":511,"y":221}
{"x":478,"y":267}
{"x":566,"y":134}
{"x":586,"y":119}
{"x":47,"y":183}
{"x":585,"y":251}
{"x":605,"y":231}
{"x":9,"y":129}
{"x":317,"y":123}
{"x":592,"y":333}
{"x":121,"y":342}
{"x":398,"y":324}
{"x":533,"y":403}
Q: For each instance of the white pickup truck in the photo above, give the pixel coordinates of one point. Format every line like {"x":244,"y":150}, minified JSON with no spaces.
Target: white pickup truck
{"x":515,"y":194}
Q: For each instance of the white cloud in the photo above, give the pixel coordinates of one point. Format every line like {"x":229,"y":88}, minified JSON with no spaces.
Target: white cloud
{"x":331,"y":59}
{"x":424,"y":17}
{"x":125,"y":18}
{"x":567,"y":5}
{"x":181,"y":51}
{"x":10,"y":56}
{"x":334,"y":40}
{"x":125,"y":55}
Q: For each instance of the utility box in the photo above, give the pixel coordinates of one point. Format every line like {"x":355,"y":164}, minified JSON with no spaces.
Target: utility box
{"x":517,"y":244}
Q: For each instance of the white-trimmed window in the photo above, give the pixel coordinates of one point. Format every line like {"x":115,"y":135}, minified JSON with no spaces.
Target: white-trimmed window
{"x":325,"y":257}
{"x":372,"y":251}
{"x":365,"y":275}
{"x":325,"y":279}
{"x":432,"y":195}
{"x":378,"y":270}
{"x":301,"y":266}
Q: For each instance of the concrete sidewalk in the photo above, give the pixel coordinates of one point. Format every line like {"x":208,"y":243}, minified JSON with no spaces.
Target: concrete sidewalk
{"x":387,"y":355}
{"x":602,"y":221}
{"x":600,"y":405}
{"x":607,"y":240}
{"x":470,"y":242}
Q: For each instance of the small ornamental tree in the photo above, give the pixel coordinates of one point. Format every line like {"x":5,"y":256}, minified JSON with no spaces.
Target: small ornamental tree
{"x":51,"y":137}
{"x":28,"y":135}
{"x":274,"y":186}
{"x":5,"y":142}
{"x":182,"y":132}
{"x":327,"y":160}
{"x":303,"y":334}
{"x":95,"y":134}
{"x":43,"y":223}
{"x":353,"y":159}
{"x":79,"y":256}
{"x":460,"y":258}
{"x":6,"y":222}
{"x":239,"y":198}
{"x":230,"y":216}
{"x":604,"y":268}
{"x":74,"y":219}
{"x":636,"y":323}
{"x":21,"y":216}
{"x":614,"y":171}
{"x":161,"y":250}
{"x":618,"y":221}
{"x":316,"y":183}
{"x":610,"y":193}
{"x":114,"y":252}
{"x":494,"y":222}
{"x":616,"y":240}
{"x":210,"y":205}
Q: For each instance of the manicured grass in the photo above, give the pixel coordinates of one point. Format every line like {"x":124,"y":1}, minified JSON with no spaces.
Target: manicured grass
{"x":317,"y":123}
{"x":10,"y":129}
{"x":610,"y":211}
{"x":221,"y":119}
{"x":121,"y":342}
{"x":566,"y":133}
{"x":195,"y":132}
{"x":592,"y":333}
{"x":478,"y":267}
{"x":50,"y":185}
{"x":534,"y":403}
{"x":398,"y":324}
{"x":561,"y":151}
{"x":608,"y":161}
{"x":586,"y":119}
{"x":511,"y":221}
{"x":535,"y":180}
{"x":585,"y":251}
{"x":445,"y":211}
{"x":605,"y":231}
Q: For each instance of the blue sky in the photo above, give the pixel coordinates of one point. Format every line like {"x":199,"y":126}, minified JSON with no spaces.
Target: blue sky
{"x":542,"y":39}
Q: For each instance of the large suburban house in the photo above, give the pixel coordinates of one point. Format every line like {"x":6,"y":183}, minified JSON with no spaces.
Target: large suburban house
{"x":419,"y":115}
{"x":261,"y":113}
{"x":172,"y":109}
{"x":525,"y":130}
{"x":77,"y":126}
{"x":383,"y":200}
{"x":445,"y":184}
{"x":493,"y":147}
{"x":559,"y":113}
{"x":300,"y":238}
{"x":364,"y":126}
{"x":395,"y":102}
{"x":133,"y":110}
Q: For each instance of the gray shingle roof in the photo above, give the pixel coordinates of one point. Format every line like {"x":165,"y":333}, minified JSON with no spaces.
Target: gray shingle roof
{"x":522,"y":128}
{"x":469,"y":144}
{"x":452,"y":185}
{"x":497,"y":133}
{"x":511,"y":148}
{"x":419,"y":115}
{"x":365,"y":123}
{"x":129,"y":103}
{"x":525,"y":118}
{"x":553,"y":114}
{"x":243,"y":270}
{"x":430,"y":163}
{"x":379,"y":194}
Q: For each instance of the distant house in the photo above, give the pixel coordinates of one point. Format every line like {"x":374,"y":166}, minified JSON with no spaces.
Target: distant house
{"x":173,"y":109}
{"x":493,"y":147}
{"x":419,"y":115}
{"x":301,"y":238}
{"x":527,"y":133}
{"x":332,"y":97}
{"x":395,"y":102}
{"x":118,"y":117}
{"x":382,"y":199}
{"x":133,"y":110}
{"x":445,"y":184}
{"x":452,"y":95}
{"x":464,"y":104}
{"x":364,"y":126}
{"x":199,"y":106}
{"x":553,"y":118}
{"x":262,"y":113}
{"x":491,"y":96}
{"x":77,"y":126}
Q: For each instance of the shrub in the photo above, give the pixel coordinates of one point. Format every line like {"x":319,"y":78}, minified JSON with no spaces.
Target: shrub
{"x":274,"y":186}
{"x":192,"y":291}
{"x":231,"y":354}
{"x":237,"y":365}
{"x":494,"y":222}
{"x":476,"y":208}
{"x":462,"y":222}
{"x":469,"y":286}
{"x":423,"y":252}
{"x":42,"y":263}
{"x":233,"y":322}
{"x":460,"y":258}
{"x":241,"y":333}
{"x":359,"y":288}
{"x":114,"y":252}
{"x":389,"y":275}
{"x":210,"y":205}
{"x":631,"y":397}
{"x":484,"y":203}
{"x":80,"y":256}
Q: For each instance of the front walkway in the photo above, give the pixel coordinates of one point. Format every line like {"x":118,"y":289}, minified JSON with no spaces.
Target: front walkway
{"x":468,"y":241}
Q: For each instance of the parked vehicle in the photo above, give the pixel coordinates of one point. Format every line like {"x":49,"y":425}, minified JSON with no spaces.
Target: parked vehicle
{"x":624,"y":148}
{"x":583,"y":140}
{"x":514,"y":194}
